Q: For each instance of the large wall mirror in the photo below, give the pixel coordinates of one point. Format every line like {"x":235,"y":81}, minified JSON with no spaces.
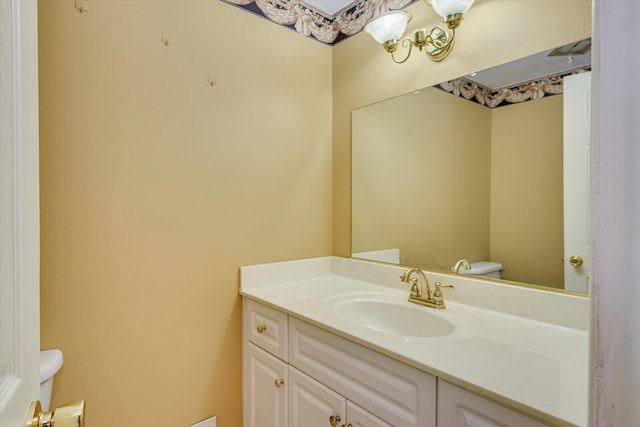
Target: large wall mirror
{"x":490,"y":167}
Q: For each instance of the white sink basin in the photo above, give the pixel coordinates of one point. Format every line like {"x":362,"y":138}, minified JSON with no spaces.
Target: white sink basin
{"x":394,"y":317}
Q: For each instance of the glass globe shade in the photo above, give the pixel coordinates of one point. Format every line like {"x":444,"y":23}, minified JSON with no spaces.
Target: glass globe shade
{"x":445,"y":8}
{"x":388,"y":26}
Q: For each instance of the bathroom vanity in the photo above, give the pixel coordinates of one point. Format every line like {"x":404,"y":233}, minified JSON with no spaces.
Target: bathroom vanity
{"x":334,"y":342}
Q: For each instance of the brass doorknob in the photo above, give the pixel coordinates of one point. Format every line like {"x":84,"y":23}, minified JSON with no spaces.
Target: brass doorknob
{"x":334,"y":420}
{"x":261,"y":328}
{"x":279,"y":382}
{"x":576,"y":261}
{"x":68,"y":415}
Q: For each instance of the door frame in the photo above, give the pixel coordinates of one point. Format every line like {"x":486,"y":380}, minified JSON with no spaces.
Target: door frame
{"x":19,"y":211}
{"x":615,"y":212}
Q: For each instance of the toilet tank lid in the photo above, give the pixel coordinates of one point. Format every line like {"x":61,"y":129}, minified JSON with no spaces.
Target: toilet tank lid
{"x":482,"y":267}
{"x":50,"y":363}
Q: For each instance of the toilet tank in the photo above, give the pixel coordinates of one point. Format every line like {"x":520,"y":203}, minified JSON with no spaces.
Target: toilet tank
{"x":489,"y":269}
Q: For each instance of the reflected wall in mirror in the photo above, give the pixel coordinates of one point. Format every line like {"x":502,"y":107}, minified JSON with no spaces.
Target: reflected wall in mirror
{"x":437,"y":177}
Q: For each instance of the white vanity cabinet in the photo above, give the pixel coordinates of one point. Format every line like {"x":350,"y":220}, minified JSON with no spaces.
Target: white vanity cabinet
{"x":299,"y":375}
{"x":458,"y":407}
{"x":325,"y":380}
{"x":315,"y":348}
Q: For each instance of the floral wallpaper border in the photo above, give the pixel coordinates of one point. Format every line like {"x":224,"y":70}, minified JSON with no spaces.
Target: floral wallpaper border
{"x":298,"y":17}
{"x":529,"y":91}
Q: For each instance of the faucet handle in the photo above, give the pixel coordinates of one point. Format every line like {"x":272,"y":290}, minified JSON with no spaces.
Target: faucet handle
{"x":440,"y":285}
{"x":437,"y":293}
{"x":415,"y":289}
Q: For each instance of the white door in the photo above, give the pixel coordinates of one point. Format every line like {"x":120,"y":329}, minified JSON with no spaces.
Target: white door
{"x":460,"y":408}
{"x":265,"y":385}
{"x":312,"y":404}
{"x":358,"y":417}
{"x":577,"y":131}
{"x":19,"y":210}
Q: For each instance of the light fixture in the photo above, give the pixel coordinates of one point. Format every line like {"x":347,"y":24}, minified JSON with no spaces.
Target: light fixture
{"x":388,"y":28}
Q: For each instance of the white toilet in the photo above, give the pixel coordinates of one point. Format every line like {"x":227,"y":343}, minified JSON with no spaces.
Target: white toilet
{"x":492,"y":270}
{"x":50,"y":363}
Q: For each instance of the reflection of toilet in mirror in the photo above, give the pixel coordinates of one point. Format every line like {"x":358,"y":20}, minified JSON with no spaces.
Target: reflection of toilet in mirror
{"x":492,"y":270}
{"x":50,"y":363}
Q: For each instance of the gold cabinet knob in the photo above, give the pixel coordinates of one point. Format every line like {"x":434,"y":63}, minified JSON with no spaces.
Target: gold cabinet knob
{"x":576,"y":261}
{"x":279,"y":382}
{"x":68,"y":415}
{"x":347,"y":425}
{"x":261,"y":328}
{"x":334,"y":420}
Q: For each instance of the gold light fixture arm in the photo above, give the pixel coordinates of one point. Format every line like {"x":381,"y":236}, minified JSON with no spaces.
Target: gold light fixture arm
{"x":453,"y":20}
{"x":437,"y":44}
{"x":391,"y":47}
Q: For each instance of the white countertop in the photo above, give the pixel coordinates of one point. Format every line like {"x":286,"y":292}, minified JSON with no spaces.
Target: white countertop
{"x":537,"y":367}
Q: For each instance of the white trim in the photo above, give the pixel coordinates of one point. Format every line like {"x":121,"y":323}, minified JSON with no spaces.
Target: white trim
{"x":19,"y":210}
{"x":615,"y":346}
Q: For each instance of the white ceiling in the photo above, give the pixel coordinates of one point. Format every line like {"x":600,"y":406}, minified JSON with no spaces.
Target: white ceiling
{"x":534,"y":67}
{"x":329,"y":8}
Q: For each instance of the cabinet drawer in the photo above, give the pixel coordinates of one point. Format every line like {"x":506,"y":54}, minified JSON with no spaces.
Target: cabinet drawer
{"x":265,"y":327}
{"x":391,"y":390}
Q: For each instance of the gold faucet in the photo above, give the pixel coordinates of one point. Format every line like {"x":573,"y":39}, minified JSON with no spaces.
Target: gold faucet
{"x":423,"y":295}
{"x":463,"y":262}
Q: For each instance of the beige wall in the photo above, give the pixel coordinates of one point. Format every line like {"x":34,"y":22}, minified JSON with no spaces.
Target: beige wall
{"x":493,"y":32}
{"x":421,"y":178}
{"x":156,"y":187}
{"x":526,"y":191}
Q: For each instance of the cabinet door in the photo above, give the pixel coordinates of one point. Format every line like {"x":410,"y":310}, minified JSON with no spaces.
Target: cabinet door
{"x":460,"y":408}
{"x":358,"y":417}
{"x":265,"y":389}
{"x":312,"y":404}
